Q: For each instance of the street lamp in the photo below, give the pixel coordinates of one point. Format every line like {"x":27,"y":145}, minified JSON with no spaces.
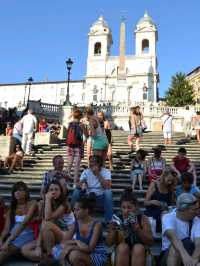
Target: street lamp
{"x":69,"y":64}
{"x":24,"y":102}
{"x":30,"y":81}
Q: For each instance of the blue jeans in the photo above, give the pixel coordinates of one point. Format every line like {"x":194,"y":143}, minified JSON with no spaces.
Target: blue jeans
{"x":18,"y":138}
{"x":103,"y":201}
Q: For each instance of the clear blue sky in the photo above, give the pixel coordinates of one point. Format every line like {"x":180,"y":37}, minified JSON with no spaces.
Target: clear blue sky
{"x":37,"y":36}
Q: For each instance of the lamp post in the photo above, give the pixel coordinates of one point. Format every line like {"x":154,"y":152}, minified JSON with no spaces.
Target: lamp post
{"x":69,"y":64}
{"x":30,"y":81}
{"x":24,"y":102}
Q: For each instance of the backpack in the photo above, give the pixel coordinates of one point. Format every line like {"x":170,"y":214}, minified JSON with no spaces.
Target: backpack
{"x":74,"y":135}
{"x":182,"y":141}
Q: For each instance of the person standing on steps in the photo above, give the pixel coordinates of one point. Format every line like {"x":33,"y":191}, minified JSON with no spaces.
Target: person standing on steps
{"x":187,"y":121}
{"x":29,"y":123}
{"x":17,"y":132}
{"x":166,"y":119}
{"x":106,"y":126}
{"x":98,"y":135}
{"x":197,"y":125}
{"x":136,"y":118}
{"x":75,"y":149}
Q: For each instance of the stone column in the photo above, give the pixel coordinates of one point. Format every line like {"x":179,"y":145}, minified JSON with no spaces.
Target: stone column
{"x":122,"y":48}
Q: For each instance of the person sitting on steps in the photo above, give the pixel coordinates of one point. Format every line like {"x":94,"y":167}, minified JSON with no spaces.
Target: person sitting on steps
{"x":96,"y":180}
{"x":181,"y":164}
{"x":138,"y":168}
{"x":15,"y":159}
{"x":131,"y":234}
{"x":178,"y":246}
{"x":156,"y":165}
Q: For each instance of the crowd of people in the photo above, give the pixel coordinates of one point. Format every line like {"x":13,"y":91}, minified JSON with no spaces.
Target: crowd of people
{"x":64,"y":228}
{"x":23,"y":130}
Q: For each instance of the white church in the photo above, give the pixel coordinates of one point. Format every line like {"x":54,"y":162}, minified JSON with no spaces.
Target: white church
{"x":109,"y":79}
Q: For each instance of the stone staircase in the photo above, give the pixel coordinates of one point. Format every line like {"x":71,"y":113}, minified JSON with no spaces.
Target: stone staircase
{"x":34,"y":167}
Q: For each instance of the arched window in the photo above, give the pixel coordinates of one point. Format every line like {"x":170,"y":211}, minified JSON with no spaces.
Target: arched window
{"x":83,"y":97}
{"x":97,"y":48}
{"x":113,"y":96}
{"x":145,"y":46}
{"x":144,"y":96}
{"x":95,"y":91}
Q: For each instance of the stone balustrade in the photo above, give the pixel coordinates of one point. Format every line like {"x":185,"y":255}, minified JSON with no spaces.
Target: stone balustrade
{"x":120,"y":113}
{"x":54,"y":108}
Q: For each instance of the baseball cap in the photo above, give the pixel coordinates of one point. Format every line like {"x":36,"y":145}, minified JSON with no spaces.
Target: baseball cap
{"x":185,"y":201}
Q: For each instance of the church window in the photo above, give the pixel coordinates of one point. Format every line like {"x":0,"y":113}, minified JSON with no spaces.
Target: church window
{"x":113,"y":96}
{"x":145,"y":46}
{"x":144,"y":96}
{"x":97,"y":48}
{"x":95,"y":91}
{"x":62,"y":92}
{"x":83,"y":97}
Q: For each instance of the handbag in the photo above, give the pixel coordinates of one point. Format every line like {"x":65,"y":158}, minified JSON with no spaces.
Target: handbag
{"x":144,"y":125}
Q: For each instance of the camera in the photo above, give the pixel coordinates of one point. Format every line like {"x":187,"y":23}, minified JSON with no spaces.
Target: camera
{"x":132,"y":218}
{"x":116,"y":221}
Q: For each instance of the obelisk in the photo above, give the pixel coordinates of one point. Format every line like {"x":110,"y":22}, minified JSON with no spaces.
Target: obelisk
{"x":122,"y":49}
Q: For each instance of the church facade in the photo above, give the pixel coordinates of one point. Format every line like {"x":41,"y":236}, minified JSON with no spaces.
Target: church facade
{"x":115,"y":79}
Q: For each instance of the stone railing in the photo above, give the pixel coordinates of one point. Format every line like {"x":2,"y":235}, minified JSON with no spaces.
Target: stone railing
{"x":150,"y":110}
{"x":51,"y":108}
{"x":51,"y":111}
{"x":120,"y":113}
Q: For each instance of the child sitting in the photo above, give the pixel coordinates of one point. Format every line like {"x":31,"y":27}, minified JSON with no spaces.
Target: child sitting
{"x":138,"y":168}
{"x":15,"y":159}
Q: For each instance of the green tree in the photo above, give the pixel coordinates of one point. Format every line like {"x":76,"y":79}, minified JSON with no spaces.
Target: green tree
{"x":180,"y":92}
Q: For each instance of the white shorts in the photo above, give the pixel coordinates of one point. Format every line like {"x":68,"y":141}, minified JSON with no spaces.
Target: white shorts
{"x":167,"y":135}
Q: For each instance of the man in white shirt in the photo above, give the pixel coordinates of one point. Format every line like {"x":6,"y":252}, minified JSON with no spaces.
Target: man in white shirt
{"x":96,"y":179}
{"x":166,"y":119}
{"x":29,"y":123}
{"x":177,"y":246}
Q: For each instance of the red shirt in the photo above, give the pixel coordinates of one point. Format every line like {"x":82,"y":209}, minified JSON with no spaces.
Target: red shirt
{"x":181,"y":164}
{"x":42,"y":126}
{"x":9,"y":131}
